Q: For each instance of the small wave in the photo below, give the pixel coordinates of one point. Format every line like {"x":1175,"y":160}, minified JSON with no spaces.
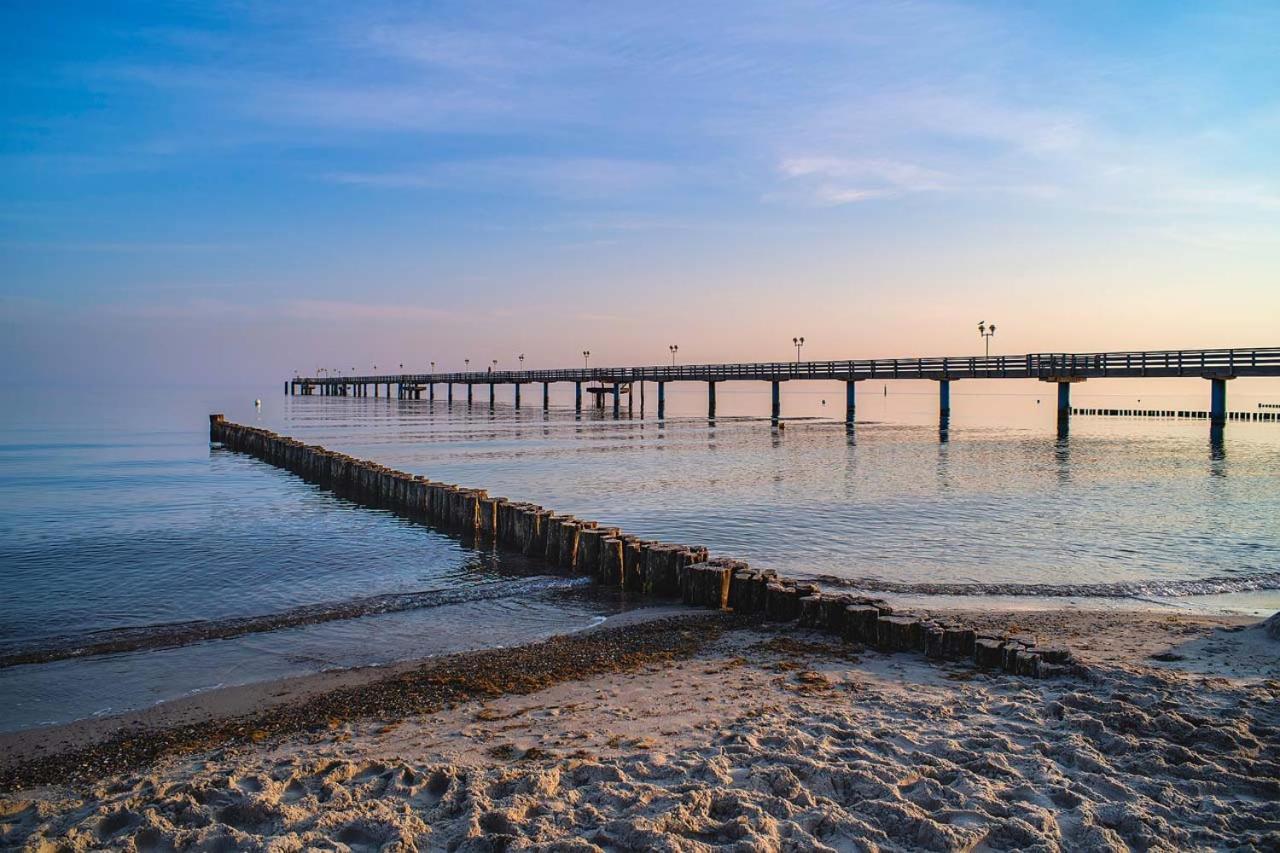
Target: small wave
{"x":1119,"y":589}
{"x":187,"y":633}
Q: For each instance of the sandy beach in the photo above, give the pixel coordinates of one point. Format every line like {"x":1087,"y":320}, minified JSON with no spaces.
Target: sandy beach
{"x":696,"y":732}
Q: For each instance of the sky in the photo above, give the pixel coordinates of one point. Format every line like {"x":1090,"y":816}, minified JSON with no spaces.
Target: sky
{"x":237,"y":191}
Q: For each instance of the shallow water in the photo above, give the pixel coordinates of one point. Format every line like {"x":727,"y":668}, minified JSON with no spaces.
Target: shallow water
{"x":117,"y":520}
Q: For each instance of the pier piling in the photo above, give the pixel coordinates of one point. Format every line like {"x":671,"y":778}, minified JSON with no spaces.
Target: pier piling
{"x":711,"y":399}
{"x":850,"y":400}
{"x":1218,"y":399}
{"x":662,"y":400}
{"x":776,"y":396}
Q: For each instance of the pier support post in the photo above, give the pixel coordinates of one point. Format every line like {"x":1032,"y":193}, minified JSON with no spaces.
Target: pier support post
{"x":850,"y":400}
{"x":1064,"y":399}
{"x":546,"y":396}
{"x":944,"y":398}
{"x":577,"y":397}
{"x":711,"y":399}
{"x":470,"y":393}
{"x":662,"y":400}
{"x":776,"y":408}
{"x":431,"y":392}
{"x":617,"y":399}
{"x":517,"y":395}
{"x":449,"y":392}
{"x":1218,"y":400}
{"x":492,"y":393}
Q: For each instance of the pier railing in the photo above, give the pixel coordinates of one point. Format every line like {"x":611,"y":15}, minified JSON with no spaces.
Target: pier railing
{"x":1207,"y":363}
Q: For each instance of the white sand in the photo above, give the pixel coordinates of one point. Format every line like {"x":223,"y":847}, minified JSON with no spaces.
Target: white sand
{"x":765,"y":741}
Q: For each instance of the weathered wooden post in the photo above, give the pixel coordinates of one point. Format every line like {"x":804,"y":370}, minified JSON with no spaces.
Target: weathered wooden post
{"x":546,"y":396}
{"x":577,"y":397}
{"x":662,"y":400}
{"x":517,"y":395}
{"x":612,"y":563}
{"x":850,"y":400}
{"x":944,"y":397}
{"x":617,"y":399}
{"x":711,"y":399}
{"x":470,"y":393}
{"x":776,"y":409}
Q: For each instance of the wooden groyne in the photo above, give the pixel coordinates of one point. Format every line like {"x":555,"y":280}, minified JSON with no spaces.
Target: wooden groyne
{"x":613,"y":558}
{"x":1179,"y":414}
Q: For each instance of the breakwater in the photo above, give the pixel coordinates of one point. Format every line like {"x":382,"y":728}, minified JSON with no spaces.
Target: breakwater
{"x":1180,"y":414}
{"x":613,"y":558}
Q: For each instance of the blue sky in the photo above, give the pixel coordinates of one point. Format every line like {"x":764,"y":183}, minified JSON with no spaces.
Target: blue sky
{"x":292,"y":183}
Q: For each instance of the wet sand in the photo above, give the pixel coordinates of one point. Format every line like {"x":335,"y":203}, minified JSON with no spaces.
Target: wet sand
{"x":694,"y":733}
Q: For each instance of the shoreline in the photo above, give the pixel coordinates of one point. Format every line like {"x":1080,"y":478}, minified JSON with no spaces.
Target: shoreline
{"x":710,"y":729}
{"x":58,"y":754}
{"x":229,"y":715}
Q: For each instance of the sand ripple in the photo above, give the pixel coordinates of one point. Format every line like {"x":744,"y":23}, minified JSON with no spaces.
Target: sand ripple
{"x":1121,"y":760}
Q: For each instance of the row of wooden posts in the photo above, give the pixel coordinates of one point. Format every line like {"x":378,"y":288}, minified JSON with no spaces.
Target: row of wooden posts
{"x":614,"y":558}
{"x":1178,"y":413}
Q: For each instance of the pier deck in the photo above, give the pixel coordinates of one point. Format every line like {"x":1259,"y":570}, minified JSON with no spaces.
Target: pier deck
{"x":1063,"y":369}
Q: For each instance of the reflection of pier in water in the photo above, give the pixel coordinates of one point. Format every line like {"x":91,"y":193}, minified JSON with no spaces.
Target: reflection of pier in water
{"x":1217,"y":366}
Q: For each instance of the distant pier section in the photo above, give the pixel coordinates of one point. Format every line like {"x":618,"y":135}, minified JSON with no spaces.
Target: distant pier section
{"x":1217,"y":366}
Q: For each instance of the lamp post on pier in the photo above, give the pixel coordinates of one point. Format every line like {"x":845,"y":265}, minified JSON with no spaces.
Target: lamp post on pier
{"x":797,"y":343}
{"x":586,"y":358}
{"x":674,"y":349}
{"x":521,"y":357}
{"x":986,"y":332}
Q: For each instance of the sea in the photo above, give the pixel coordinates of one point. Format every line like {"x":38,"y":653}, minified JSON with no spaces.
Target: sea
{"x":139,"y":564}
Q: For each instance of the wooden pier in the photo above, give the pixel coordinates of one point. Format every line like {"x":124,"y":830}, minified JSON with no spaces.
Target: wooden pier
{"x":1217,"y":366}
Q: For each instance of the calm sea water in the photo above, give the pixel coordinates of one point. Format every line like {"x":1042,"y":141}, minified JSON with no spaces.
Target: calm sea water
{"x":119,"y":522}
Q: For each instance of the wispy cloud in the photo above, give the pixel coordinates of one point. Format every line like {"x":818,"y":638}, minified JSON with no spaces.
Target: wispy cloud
{"x":590,"y":177}
{"x":342,"y":311}
{"x":838,"y":180}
